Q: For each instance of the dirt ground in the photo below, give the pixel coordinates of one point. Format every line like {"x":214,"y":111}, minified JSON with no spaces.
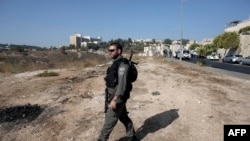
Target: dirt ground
{"x":169,"y":102}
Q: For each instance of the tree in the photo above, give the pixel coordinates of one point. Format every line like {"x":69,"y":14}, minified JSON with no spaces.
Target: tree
{"x":167,"y":41}
{"x":227,"y":41}
{"x":138,"y":46}
{"x":153,"y":41}
{"x":185,"y":41}
{"x":210,"y":48}
{"x":71,"y":46}
{"x":194,"y":46}
{"x":245,"y":30}
{"x":93,"y":46}
{"x":203,"y":51}
{"x":63,"y":50}
{"x":104,"y":45}
{"x":130,"y":42}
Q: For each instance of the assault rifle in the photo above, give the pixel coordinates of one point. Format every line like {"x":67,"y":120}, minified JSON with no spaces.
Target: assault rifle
{"x":130,"y":58}
{"x":106,"y":104}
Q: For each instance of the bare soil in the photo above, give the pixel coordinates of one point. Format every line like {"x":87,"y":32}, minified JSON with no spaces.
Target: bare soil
{"x":169,"y":102}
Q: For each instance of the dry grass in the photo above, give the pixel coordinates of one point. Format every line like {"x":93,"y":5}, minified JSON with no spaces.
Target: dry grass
{"x":47,"y":74}
{"x":14,"y":62}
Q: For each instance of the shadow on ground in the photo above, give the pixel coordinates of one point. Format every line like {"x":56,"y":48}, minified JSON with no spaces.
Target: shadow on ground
{"x":155,"y":123}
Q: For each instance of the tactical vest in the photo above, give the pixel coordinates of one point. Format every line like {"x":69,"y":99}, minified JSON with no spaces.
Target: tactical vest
{"x":111,"y":78}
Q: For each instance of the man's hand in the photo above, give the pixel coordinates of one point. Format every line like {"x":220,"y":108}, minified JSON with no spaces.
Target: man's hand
{"x":112,"y":104}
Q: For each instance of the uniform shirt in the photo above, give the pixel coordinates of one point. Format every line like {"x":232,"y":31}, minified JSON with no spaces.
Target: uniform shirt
{"x":122,"y":79}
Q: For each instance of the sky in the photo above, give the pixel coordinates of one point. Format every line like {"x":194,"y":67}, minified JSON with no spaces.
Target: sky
{"x":48,"y":23}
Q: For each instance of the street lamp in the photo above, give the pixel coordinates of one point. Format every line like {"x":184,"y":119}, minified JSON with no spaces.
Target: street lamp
{"x":181,"y":30}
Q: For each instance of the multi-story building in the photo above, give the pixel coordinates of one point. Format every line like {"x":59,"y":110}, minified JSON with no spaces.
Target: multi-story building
{"x":75,"y":40}
{"x":82,"y":41}
{"x":244,"y":47}
{"x":154,"y":50}
{"x":206,"y":41}
{"x":235,"y":26}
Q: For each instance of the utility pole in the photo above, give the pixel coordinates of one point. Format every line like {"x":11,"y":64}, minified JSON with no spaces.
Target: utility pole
{"x":181,"y":47}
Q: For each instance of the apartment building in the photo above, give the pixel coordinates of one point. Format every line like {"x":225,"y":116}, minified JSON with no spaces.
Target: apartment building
{"x":244,"y":47}
{"x":82,"y":41}
{"x":235,"y":26}
{"x":75,"y":40}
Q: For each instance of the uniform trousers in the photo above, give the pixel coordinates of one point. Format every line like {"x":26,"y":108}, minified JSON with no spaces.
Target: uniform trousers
{"x":111,"y":118}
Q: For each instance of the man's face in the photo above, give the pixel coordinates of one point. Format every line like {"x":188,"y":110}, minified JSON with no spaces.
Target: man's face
{"x":114,"y":52}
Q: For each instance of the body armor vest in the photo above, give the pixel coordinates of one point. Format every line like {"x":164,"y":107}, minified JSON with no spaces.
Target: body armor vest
{"x":111,"y":78}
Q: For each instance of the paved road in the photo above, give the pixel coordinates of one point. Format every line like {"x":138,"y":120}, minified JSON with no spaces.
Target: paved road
{"x":216,"y":68}
{"x":228,"y":66}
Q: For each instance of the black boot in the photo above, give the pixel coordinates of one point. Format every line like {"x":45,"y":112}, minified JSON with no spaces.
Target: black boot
{"x":101,"y":140}
{"x":132,"y":138}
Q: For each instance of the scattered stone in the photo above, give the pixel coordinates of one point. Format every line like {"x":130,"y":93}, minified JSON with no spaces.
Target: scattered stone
{"x":156,"y":93}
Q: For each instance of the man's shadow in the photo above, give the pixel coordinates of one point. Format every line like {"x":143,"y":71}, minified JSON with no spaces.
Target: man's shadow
{"x":155,"y":123}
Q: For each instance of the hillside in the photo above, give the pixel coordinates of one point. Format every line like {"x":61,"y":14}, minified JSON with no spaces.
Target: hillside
{"x":169,"y":102}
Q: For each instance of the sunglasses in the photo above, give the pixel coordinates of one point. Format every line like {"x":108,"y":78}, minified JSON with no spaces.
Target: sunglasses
{"x":112,"y":50}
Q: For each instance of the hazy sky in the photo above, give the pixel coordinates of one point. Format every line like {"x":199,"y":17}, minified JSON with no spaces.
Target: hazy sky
{"x":48,"y":23}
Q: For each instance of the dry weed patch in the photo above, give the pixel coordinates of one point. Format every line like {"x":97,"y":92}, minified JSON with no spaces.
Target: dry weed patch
{"x":47,"y":74}
{"x":220,"y":81}
{"x":15,"y":62}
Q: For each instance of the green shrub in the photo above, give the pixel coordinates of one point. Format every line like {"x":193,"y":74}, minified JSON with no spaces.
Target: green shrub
{"x":201,"y":62}
{"x":47,"y":74}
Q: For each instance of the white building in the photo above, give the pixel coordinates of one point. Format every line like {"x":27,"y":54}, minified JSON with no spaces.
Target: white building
{"x":206,"y":41}
{"x":75,"y":40}
{"x":154,"y":50}
{"x":82,"y":41}
{"x":235,"y":26}
{"x":244,"y":48}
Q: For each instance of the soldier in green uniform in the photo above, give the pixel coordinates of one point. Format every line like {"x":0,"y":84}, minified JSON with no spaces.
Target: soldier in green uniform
{"x":118,"y":89}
